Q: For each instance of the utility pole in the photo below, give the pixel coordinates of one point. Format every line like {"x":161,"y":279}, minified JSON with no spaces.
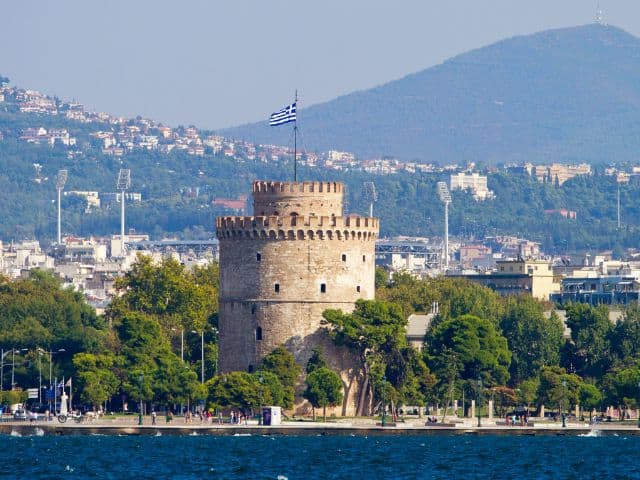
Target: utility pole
{"x":61,"y":179}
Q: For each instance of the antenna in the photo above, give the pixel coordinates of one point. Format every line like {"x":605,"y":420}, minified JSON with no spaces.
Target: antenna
{"x":370,"y":195}
{"x":445,"y":198}
{"x":123,"y":184}
{"x":61,"y":179}
{"x":618,"y":205}
{"x":599,"y":20}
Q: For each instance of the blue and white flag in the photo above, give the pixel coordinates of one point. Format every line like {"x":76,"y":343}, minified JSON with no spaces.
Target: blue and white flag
{"x":286,"y":115}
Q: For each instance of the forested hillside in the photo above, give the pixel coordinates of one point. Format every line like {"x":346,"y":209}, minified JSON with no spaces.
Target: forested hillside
{"x":567,"y":95}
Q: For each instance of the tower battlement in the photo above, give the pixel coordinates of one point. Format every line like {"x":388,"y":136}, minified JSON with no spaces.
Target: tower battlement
{"x":297,"y":227}
{"x":261,"y":187}
{"x":297,"y":198}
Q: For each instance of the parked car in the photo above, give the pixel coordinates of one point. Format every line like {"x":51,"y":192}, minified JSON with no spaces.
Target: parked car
{"x":20,"y":414}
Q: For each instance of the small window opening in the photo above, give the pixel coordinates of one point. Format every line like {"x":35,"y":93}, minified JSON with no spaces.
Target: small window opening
{"x":258,"y":333}
{"x":323,"y":288}
{"x":254,"y":308}
{"x":358,"y":289}
{"x":258,"y":257}
{"x":344,"y":257}
{"x":364,"y":258}
{"x":276,"y":288}
{"x":250,"y":368}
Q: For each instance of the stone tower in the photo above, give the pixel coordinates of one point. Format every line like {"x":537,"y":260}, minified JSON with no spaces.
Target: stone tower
{"x":280,"y":269}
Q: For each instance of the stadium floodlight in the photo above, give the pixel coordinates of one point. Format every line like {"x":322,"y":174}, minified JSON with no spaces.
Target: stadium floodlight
{"x":123,"y":184}
{"x":445,"y":198}
{"x":61,"y":180}
{"x":370,"y":195}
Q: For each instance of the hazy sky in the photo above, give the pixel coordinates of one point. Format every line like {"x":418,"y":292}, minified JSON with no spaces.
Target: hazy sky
{"x":220,"y":63}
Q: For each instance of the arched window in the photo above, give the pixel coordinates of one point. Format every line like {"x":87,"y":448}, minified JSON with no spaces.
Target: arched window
{"x":258,"y":333}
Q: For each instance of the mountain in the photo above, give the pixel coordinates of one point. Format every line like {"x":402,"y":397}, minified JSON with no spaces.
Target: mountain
{"x":569,"y":95}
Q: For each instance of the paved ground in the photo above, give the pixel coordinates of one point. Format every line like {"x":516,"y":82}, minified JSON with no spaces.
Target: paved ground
{"x":129,"y":425}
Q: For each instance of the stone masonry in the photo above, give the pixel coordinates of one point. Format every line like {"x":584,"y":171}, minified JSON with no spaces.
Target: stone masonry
{"x":280,"y":269}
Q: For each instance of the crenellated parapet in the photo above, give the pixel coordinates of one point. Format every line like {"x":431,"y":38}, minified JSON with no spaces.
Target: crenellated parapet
{"x":297,"y":228}
{"x":261,"y":188}
{"x":297,"y":198}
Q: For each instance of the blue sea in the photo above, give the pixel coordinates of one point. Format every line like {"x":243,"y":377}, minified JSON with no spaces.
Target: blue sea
{"x":319,"y":457}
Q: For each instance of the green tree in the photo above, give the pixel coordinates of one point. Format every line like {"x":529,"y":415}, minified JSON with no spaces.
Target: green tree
{"x":283,"y":365}
{"x":476,"y":345}
{"x":324,"y":389}
{"x":534,"y":340}
{"x":375,"y":332}
{"x":235,"y":389}
{"x":558,"y":388}
{"x":625,"y":338}
{"x":95,"y":377}
{"x":316,"y":360}
{"x":590,"y":335}
{"x":589,"y":396}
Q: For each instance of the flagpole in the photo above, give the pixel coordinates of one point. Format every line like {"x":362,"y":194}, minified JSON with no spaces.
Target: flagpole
{"x":295,"y":142}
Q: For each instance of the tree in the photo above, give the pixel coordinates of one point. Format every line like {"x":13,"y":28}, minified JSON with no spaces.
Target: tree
{"x":283,"y":365}
{"x":557,"y":387}
{"x":590,"y":333}
{"x":590,"y":396}
{"x":95,"y":377}
{"x":375,"y":331}
{"x":316,"y":360}
{"x":235,"y":389}
{"x":324,"y":388}
{"x":476,"y":345}
{"x":534,"y":340}
{"x":625,"y":338}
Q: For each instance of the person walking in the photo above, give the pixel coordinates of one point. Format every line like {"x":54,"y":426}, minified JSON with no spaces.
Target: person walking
{"x":153,"y":417}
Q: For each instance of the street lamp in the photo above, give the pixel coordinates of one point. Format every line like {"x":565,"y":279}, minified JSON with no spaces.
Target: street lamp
{"x":478,"y":398}
{"x":13,"y":364}
{"x":2,"y":355}
{"x":140,"y":378}
{"x":51,"y":390}
{"x":383,"y":420}
{"x":261,"y":380}
{"x":638,"y":408}
{"x":564,"y":393}
{"x":201,"y":354}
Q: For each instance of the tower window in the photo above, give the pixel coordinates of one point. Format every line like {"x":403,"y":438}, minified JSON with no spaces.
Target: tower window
{"x":323,"y":288}
{"x":344,"y":257}
{"x":364,"y":258}
{"x":358,"y":289}
{"x":276,"y":288}
{"x":254,"y":308}
{"x":258,"y":257}
{"x":258,"y":333}
{"x":250,"y":369}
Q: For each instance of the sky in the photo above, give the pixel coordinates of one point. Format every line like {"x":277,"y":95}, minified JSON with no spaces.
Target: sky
{"x":221,"y":63}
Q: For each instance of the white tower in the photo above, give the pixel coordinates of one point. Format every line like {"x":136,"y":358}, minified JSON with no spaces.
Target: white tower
{"x":445,"y":198}
{"x":123,"y":184}
{"x":61,"y":179}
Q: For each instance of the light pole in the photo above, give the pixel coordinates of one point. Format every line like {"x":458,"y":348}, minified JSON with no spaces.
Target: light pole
{"x":140,"y":378}
{"x":201,"y":354}
{"x":2,"y":355}
{"x":478,"y":398}
{"x":51,"y":390}
{"x":261,"y":380}
{"x":13,"y":364}
{"x":383,"y":420}
{"x":564,"y":393}
{"x":638,"y":407}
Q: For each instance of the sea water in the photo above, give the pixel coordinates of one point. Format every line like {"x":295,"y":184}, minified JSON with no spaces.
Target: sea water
{"x":319,"y":457}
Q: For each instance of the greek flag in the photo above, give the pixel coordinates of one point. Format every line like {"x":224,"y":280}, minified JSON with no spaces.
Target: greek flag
{"x":286,"y":115}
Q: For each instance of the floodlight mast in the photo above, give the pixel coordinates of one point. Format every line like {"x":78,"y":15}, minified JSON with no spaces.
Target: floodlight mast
{"x":123,"y":184}
{"x":61,"y":180}
{"x":370,"y":195}
{"x":445,"y":198}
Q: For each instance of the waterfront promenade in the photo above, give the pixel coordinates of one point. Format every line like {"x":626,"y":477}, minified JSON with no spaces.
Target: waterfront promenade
{"x":357,"y":426}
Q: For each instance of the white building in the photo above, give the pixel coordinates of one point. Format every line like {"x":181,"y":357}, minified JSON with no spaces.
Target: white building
{"x":472,"y":181}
